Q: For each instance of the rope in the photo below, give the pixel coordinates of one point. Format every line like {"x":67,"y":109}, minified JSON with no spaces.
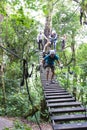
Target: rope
{"x":10,"y":51}
{"x":29,"y":97}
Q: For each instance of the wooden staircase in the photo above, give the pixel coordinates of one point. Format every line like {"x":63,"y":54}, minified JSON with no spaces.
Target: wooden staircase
{"x":65,"y":112}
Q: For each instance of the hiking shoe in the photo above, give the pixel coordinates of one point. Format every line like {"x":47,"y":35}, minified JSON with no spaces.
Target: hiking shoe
{"x":47,"y":84}
{"x":52,"y":82}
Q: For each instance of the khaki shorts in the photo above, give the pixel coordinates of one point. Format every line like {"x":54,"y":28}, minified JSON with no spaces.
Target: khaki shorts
{"x":50,"y":67}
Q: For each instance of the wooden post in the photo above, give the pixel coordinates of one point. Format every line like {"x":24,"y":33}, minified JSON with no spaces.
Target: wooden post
{"x":74,"y":92}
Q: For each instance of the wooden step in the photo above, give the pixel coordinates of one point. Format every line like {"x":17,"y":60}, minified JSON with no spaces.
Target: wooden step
{"x":51,"y":94}
{"x":57,"y":96}
{"x":71,"y":117}
{"x":72,"y":126}
{"x":67,"y":110}
{"x":65,"y":104}
{"x":54,"y":91}
{"x":52,"y":88}
{"x":60,"y":100}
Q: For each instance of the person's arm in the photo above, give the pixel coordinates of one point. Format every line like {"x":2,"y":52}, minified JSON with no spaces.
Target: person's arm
{"x":56,"y":37}
{"x":60,"y":64}
{"x":45,"y":37}
{"x":42,"y":62}
{"x":44,"y":59}
{"x":46,"y":45}
{"x":58,"y":61}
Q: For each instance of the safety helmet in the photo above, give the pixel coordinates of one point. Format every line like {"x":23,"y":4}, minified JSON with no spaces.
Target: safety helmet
{"x":52,"y":52}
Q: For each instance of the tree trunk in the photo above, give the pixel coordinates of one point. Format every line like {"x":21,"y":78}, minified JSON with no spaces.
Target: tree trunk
{"x":74,"y":59}
{"x":48,"y":23}
{"x":3,"y":84}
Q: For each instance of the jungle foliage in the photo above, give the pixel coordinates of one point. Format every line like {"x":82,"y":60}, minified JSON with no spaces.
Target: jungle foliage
{"x":18,"y":32}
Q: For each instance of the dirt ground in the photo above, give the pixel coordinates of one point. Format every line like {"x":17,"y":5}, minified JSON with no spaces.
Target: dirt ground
{"x":44,"y":126}
{"x":34,"y":126}
{"x":6,"y":122}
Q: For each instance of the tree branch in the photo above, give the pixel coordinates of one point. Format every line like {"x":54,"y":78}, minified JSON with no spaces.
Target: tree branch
{"x":76,"y":1}
{"x":55,"y":2}
{"x":31,"y":112}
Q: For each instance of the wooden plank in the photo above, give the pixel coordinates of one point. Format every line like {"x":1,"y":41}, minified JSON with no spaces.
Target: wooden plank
{"x":64,"y":104}
{"x":72,"y":126}
{"x":51,"y":94}
{"x":52,"y":88}
{"x":67,"y":110}
{"x":54,"y":91}
{"x":57,"y":96}
{"x":70,"y":117}
{"x":60,"y":100}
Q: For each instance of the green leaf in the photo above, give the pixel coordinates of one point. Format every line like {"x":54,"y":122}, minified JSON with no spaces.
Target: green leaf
{"x":45,"y":10}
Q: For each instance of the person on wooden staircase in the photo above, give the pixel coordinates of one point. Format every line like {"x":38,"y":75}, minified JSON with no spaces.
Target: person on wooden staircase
{"x":46,"y":49}
{"x":51,"y":43}
{"x":48,"y":63}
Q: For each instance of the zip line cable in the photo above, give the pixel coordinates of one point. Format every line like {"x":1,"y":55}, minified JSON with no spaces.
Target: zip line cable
{"x":72,"y":13}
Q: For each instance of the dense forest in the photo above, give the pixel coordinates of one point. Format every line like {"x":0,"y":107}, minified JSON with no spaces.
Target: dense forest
{"x":20,"y":21}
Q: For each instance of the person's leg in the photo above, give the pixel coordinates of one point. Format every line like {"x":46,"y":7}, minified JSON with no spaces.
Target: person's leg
{"x":52,"y":76}
{"x":45,"y":47}
{"x":39,"y":45}
{"x":47,"y":75}
{"x":53,"y":73}
{"x":54,"y":45}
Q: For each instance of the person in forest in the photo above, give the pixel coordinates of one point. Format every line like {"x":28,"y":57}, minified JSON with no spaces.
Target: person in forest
{"x":40,"y":37}
{"x":63,"y":42}
{"x":47,"y":48}
{"x":53,"y":39}
{"x":48,"y":63}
